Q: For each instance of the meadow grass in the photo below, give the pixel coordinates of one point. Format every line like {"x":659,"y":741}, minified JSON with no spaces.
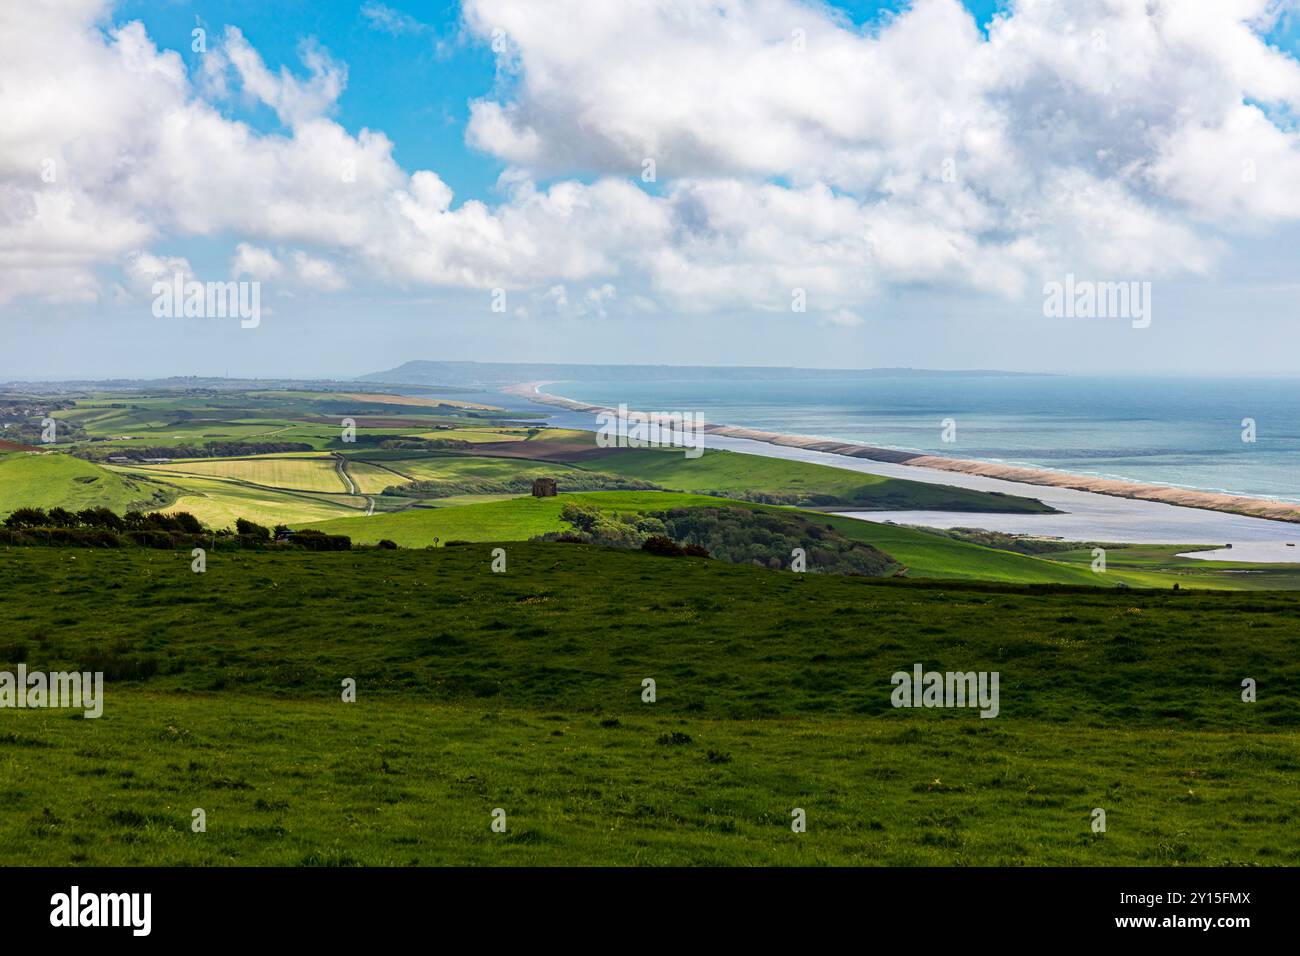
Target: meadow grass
{"x":508,"y":519}
{"x":59,"y":479}
{"x":523,"y":690}
{"x":737,"y":474}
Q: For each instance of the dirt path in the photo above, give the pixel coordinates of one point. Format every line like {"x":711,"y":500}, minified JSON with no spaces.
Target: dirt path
{"x":341,"y":465}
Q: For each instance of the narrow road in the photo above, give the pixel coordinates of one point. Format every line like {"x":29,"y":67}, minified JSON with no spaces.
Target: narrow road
{"x":341,"y":464}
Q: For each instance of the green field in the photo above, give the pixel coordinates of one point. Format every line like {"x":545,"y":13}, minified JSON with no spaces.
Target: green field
{"x":925,"y":555}
{"x":736,"y":474}
{"x":512,"y":519}
{"x":218,"y":503}
{"x":450,"y":466}
{"x":58,"y":479}
{"x":291,"y":474}
{"x":521,"y":691}
{"x":1165,"y":558}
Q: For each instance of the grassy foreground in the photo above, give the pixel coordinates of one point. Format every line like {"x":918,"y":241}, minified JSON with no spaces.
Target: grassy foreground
{"x":522,"y":691}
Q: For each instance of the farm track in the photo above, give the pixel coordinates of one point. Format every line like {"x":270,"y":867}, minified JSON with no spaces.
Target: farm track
{"x":341,"y":464}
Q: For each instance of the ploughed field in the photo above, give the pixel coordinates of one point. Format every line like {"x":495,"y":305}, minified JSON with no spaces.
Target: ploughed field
{"x":523,"y":691}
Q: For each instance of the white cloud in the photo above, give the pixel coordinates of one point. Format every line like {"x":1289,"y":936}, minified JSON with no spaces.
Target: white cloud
{"x":1112,"y":137}
{"x":142,"y":269}
{"x":320,"y":274}
{"x":295,"y":101}
{"x":255,"y":262}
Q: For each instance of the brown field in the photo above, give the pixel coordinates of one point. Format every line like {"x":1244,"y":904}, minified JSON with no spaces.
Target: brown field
{"x":415,"y":400}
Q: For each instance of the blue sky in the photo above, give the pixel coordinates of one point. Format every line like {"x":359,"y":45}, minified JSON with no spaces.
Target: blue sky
{"x":415,"y":85}
{"x":1097,"y":140}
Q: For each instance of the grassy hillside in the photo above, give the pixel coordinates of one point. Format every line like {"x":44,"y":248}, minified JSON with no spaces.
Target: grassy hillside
{"x":925,"y":555}
{"x":1165,"y":558}
{"x":736,"y":474}
{"x":522,"y":691}
{"x":511,"y":519}
{"x":57,"y":480}
{"x":935,"y":556}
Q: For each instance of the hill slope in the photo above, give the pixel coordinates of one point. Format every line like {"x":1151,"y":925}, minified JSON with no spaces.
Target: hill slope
{"x":56,"y":480}
{"x":523,"y":691}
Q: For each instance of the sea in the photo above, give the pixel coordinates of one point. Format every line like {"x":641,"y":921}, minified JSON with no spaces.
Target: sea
{"x":1234,"y":435}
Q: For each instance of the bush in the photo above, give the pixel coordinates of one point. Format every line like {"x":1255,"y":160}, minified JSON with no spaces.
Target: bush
{"x":27,"y":518}
{"x":387,"y":545}
{"x":320,"y":541}
{"x":62,"y":518}
{"x":695,"y":551}
{"x":248,"y":529}
{"x":101,"y":518}
{"x":188,"y":523}
{"x":152,"y":538}
{"x":84,"y":537}
{"x":664,"y":547}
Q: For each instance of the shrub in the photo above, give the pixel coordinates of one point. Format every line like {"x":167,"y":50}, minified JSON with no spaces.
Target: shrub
{"x":188,"y":523}
{"x":248,"y":529}
{"x":664,"y":547}
{"x":101,"y":518}
{"x":84,"y":537}
{"x":387,"y":545}
{"x":62,"y":518}
{"x":27,"y":518}
{"x":320,"y":541}
{"x":695,"y":551}
{"x":153,"y":538}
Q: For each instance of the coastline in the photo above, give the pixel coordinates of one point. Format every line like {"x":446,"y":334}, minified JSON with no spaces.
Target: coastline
{"x":1115,"y":488}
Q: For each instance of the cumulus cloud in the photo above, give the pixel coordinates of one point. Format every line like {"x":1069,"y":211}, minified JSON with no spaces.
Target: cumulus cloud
{"x":793,"y":151}
{"x":142,"y":269}
{"x":255,"y":262}
{"x":319,"y":274}
{"x":294,"y":100}
{"x":1089,"y":134}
